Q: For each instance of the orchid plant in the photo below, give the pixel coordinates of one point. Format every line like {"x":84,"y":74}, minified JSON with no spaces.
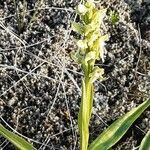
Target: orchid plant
{"x":90,"y":49}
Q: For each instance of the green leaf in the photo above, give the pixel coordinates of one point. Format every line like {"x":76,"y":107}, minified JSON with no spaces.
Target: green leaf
{"x":117,"y":129}
{"x":19,"y":142}
{"x":114,"y":17}
{"x":145,"y":144}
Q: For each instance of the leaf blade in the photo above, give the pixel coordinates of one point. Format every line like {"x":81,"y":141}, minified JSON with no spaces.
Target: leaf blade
{"x":145,"y":144}
{"x":19,"y":142}
{"x":116,"y":130}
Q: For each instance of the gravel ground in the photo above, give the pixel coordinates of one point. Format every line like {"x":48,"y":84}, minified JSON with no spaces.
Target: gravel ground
{"x":40,"y":84}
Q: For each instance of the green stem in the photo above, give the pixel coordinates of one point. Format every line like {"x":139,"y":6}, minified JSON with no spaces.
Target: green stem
{"x":85,"y":112}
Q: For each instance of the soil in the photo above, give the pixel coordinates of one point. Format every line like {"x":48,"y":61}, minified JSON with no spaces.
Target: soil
{"x":40,"y":85}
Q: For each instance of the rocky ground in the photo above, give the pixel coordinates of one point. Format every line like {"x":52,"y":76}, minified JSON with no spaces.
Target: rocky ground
{"x":40,"y":84}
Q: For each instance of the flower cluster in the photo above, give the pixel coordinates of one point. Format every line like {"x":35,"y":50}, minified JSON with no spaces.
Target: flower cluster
{"x":91,"y":46}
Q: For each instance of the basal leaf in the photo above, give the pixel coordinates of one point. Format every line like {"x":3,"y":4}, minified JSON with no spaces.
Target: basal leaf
{"x":19,"y":142}
{"x":145,"y":144}
{"x":116,"y":130}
